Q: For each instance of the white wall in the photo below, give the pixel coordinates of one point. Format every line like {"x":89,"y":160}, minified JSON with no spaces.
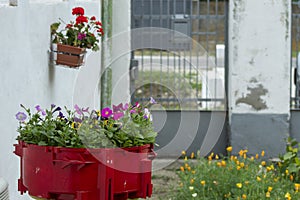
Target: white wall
{"x":259,"y":56}
{"x":26,"y":76}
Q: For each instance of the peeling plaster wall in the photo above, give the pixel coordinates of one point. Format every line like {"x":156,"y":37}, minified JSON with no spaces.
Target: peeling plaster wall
{"x":259,"y":56}
{"x":259,"y":75}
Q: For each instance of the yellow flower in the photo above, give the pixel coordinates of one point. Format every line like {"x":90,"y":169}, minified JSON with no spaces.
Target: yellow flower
{"x":192,"y":181}
{"x":256,"y":156}
{"x":244,"y":196}
{"x":219,"y":164}
{"x":270,"y":189}
{"x":98,"y":113}
{"x":252,"y":158}
{"x":202,"y":183}
{"x":241,"y":153}
{"x":246,"y":182}
{"x":229,"y":149}
{"x":209,"y":158}
{"x":297,"y":187}
{"x":286,"y":171}
{"x":216,"y":157}
{"x":182,"y":168}
{"x":238,"y":167}
{"x":186,"y":165}
{"x":185,"y":158}
{"x":193,"y":172}
{"x":192,"y":155}
{"x":242,"y":164}
{"x":268,"y":194}
{"x":288,"y":196}
{"x":291,"y":177}
{"x":258,"y":178}
{"x":276,"y":179}
{"x":223,"y":163}
{"x":262,"y":153}
{"x":189,"y":168}
{"x":239,"y":185}
{"x":263,"y":163}
{"x":268,"y":169}
{"x":183,"y":153}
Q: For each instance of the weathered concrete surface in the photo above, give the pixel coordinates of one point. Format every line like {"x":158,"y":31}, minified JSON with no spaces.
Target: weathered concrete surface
{"x":257,"y":132}
{"x":259,"y":67}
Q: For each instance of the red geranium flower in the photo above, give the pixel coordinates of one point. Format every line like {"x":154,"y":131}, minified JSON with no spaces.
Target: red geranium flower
{"x":98,"y":23}
{"x":93,"y":18}
{"x":78,"y":11}
{"x":81,"y":19}
{"x":100,"y":30}
{"x":69,"y":26}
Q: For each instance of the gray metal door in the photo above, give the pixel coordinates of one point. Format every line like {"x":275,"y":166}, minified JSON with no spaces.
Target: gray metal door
{"x":178,"y":57}
{"x":188,"y":69}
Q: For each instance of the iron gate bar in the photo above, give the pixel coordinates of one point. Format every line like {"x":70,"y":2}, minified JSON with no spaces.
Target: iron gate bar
{"x":159,"y":14}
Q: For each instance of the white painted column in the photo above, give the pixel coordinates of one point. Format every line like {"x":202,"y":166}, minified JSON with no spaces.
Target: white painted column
{"x":121,"y":51}
{"x":259,"y":74}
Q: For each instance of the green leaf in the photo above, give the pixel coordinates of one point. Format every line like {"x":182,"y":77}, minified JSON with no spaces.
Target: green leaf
{"x":42,"y":143}
{"x":288,"y":156}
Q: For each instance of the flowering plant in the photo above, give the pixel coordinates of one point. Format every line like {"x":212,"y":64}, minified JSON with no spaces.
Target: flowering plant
{"x":123,"y":126}
{"x":84,"y":32}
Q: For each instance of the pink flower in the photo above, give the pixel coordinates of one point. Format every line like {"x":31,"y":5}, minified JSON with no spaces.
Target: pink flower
{"x":106,"y":112}
{"x":118,"y":115}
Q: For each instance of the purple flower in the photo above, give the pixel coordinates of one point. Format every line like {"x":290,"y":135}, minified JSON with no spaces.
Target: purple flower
{"x":61,"y":115}
{"x":118,"y":108}
{"x":78,"y":110}
{"x":118,"y":115}
{"x":81,"y":36}
{"x":52,"y":106}
{"x":38,"y":108}
{"x":152,"y":100}
{"x":132,"y":111}
{"x":21,"y":116}
{"x":76,"y":119}
{"x":85,"y":110}
{"x":145,"y":116}
{"x":137,"y":104}
{"x":106,"y":112}
{"x":126,"y":106}
{"x":56,"y":109}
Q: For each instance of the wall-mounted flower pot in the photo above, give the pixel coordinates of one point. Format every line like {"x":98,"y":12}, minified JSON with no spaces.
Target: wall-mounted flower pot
{"x":85,"y":174}
{"x":69,"y":55}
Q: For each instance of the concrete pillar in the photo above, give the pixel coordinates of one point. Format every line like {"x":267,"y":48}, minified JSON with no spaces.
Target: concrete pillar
{"x":259,"y":75}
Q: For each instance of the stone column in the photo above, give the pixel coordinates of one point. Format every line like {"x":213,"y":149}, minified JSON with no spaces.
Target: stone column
{"x":259,"y":75}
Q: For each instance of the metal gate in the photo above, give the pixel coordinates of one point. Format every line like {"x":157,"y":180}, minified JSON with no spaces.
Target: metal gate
{"x":295,"y":56}
{"x":189,"y":71}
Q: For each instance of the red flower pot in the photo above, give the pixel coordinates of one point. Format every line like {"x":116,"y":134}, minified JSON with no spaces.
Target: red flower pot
{"x":69,"y":55}
{"x":85,"y":174}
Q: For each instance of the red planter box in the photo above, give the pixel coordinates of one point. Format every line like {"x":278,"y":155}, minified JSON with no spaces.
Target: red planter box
{"x":85,"y":174}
